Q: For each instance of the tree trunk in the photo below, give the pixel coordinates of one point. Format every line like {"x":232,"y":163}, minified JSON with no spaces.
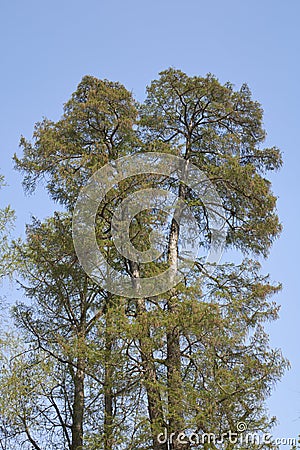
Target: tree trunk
{"x":150,"y":381}
{"x":78,"y":406}
{"x":108,"y":395}
{"x":175,"y":392}
{"x":175,"y":407}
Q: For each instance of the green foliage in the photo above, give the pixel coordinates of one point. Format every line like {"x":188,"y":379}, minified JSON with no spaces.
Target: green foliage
{"x":220,"y":131}
{"x":104,"y":372}
{"x":6,"y":223}
{"x":97,"y":126}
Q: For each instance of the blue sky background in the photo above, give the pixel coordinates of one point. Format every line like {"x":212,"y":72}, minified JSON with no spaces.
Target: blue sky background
{"x":46,"y":48}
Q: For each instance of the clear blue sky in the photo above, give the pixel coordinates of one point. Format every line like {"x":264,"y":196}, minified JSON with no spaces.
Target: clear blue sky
{"x":46,"y":47}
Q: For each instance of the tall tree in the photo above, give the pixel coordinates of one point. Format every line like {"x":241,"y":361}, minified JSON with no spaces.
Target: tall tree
{"x":97,"y":127}
{"x":69,"y":374}
{"x":220,"y":131}
{"x":201,"y":359}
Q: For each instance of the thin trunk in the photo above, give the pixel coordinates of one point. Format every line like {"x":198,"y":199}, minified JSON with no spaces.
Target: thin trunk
{"x":175,"y":389}
{"x":79,"y":378}
{"x":175,"y":394}
{"x":108,"y":394}
{"x":78,"y":406}
{"x":155,"y":410}
{"x":34,"y":444}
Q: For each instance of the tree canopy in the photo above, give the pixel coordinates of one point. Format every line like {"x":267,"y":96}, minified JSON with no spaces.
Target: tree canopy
{"x":102,"y":371}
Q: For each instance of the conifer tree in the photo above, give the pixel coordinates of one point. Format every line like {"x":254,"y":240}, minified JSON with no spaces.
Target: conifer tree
{"x":194,"y":359}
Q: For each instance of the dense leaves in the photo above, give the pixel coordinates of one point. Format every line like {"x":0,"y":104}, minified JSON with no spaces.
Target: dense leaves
{"x":106,"y":372}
